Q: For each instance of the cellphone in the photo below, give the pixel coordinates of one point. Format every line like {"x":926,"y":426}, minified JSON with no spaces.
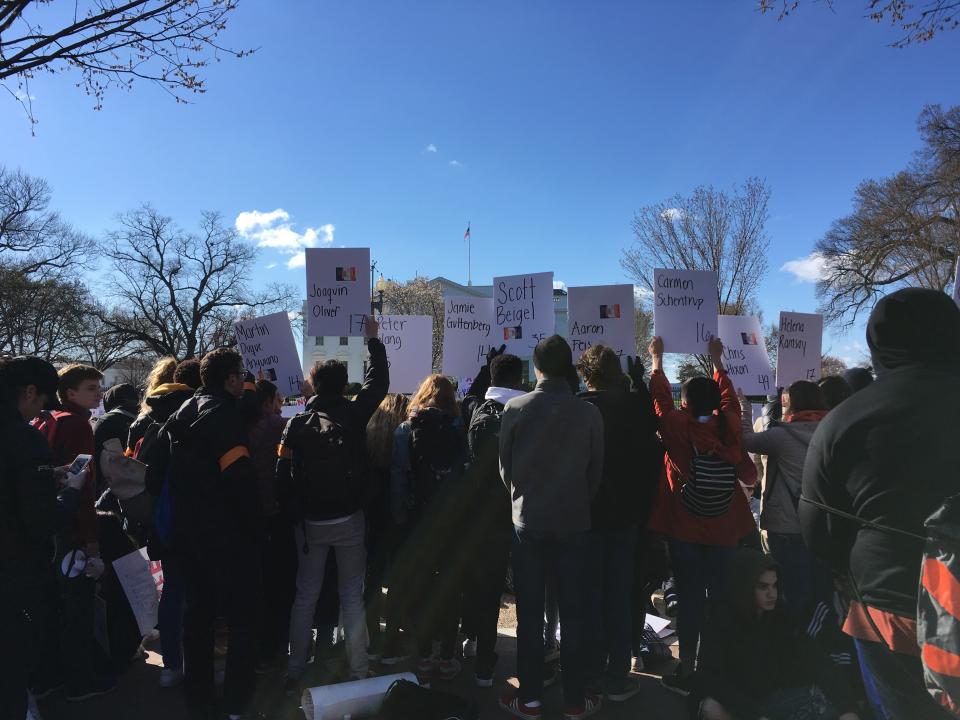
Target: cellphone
{"x":79,"y":463}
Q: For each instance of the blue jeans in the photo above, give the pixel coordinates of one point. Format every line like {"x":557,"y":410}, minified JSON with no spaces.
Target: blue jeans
{"x":568,"y":555}
{"x":610,"y":589}
{"x":170,"y":614}
{"x":894,"y":683}
{"x":804,"y":580}
{"x":700,"y":573}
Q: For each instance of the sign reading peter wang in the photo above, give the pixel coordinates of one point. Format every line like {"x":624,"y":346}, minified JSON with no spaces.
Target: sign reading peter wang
{"x":338,"y":290}
{"x":269,"y":351}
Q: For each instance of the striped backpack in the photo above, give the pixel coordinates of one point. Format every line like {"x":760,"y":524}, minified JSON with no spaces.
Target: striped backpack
{"x":709,"y":486}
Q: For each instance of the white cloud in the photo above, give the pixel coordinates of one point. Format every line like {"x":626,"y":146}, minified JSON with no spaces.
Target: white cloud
{"x":455,"y":163}
{"x":672,"y":214}
{"x":297,"y":261}
{"x":23,"y":97}
{"x":431,"y":148}
{"x":275,"y":230}
{"x":271,"y":266}
{"x":806,"y":269}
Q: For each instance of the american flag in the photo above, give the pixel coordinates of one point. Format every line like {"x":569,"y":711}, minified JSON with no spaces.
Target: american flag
{"x":466,"y":235}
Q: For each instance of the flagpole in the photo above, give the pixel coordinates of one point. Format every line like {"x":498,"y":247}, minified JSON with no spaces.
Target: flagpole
{"x":469,"y":267}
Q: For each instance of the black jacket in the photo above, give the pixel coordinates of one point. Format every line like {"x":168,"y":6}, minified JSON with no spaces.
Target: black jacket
{"x":353,"y":416}
{"x":216,"y":501}
{"x":888,"y":454}
{"x":31,"y":510}
{"x":162,"y":402}
{"x":632,"y":458}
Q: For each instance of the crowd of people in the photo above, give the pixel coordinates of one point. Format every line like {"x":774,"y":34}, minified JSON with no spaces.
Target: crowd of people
{"x":396,"y":522}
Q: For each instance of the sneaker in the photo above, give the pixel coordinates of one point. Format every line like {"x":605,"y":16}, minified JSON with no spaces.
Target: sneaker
{"x":677,"y":682}
{"x":425,"y":671}
{"x":102,"y":687}
{"x":448,"y":669}
{"x":623,"y":690}
{"x":170,"y":677}
{"x":469,"y":649}
{"x":591,"y":706}
{"x":512,"y":705}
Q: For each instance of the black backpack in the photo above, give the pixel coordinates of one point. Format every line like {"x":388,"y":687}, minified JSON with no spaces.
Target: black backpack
{"x":437,"y":455}
{"x":405,"y":700}
{"x":483,"y":441}
{"x":326,"y":467}
{"x":709,"y":487}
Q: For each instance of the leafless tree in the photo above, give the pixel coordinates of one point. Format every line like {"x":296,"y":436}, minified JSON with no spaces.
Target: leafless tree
{"x":112,"y":43}
{"x":918,"y":21}
{"x":831,"y":365}
{"x":904,"y":230}
{"x":417,"y":297}
{"x":178,"y":293}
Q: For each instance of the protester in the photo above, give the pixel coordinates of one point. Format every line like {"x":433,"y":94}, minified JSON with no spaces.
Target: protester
{"x":260,"y":407}
{"x":703,"y":522}
{"x":834,"y":390}
{"x":31,"y":511}
{"x":426,"y":488}
{"x":805,"y":580}
{"x":551,"y":460}
{"x":754,"y":663}
{"x":162,"y":402}
{"x":160,"y":374}
{"x":486,"y":539}
{"x":322,"y":475}
{"x":886,"y":456}
{"x":383,"y":539}
{"x":632,"y":464}
{"x":120,"y":405}
{"x":858,"y":378}
{"x":204,"y":458}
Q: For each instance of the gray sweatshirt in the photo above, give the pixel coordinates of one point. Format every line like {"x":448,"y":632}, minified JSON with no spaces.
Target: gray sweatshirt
{"x":551,"y":458}
{"x":785,"y":445}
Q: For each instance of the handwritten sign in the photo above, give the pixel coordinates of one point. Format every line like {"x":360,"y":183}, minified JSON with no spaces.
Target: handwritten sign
{"x":467,"y":335}
{"x":136,"y":579}
{"x":269,"y":352}
{"x":685,"y":309}
{"x":338,"y":290}
{"x":799,"y":346}
{"x":602,"y":315}
{"x":523,"y":311}
{"x":409,"y":343}
{"x":745,"y":354}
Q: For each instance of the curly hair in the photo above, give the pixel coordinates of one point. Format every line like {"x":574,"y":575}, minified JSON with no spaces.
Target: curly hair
{"x":600,"y":368}
{"x":435,"y":391}
{"x":391,"y":412}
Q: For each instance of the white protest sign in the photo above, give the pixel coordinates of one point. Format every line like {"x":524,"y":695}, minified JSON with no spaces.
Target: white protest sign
{"x":956,"y":283}
{"x":467,"y":335}
{"x":338,"y":290}
{"x":269,"y":351}
{"x":799,"y":346}
{"x":523,"y":311}
{"x":745,"y":354}
{"x":602,"y":315}
{"x":135,"y":576}
{"x":409,"y":343}
{"x":685,"y":309}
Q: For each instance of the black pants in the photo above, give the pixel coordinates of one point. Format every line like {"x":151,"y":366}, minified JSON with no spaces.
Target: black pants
{"x":21,"y":627}
{"x":227,"y":580}
{"x":484,"y":578}
{"x":279,"y":571}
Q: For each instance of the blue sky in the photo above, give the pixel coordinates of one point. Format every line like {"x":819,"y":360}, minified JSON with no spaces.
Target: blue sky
{"x":544,"y":123}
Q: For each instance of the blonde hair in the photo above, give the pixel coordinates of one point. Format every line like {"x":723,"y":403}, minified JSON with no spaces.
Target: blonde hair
{"x":391,"y":412}
{"x":435,"y":391}
{"x":160,"y":374}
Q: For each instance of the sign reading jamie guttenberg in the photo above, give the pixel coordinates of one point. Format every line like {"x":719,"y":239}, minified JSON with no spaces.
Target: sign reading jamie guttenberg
{"x":602,"y":315}
{"x":523,"y":311}
{"x":685,"y":309}
{"x":799,"y":347}
{"x":338,"y":290}
{"x":269,"y":351}
{"x":745,"y":354}
{"x":467,"y":335}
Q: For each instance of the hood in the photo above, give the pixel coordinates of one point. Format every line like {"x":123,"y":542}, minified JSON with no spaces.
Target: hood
{"x":746,"y":565}
{"x":501,"y":394}
{"x":914,"y":327}
{"x":166,"y":399}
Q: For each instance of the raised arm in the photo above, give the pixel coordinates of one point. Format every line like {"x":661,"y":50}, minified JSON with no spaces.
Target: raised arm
{"x":659,"y":385}
{"x":376,"y":383}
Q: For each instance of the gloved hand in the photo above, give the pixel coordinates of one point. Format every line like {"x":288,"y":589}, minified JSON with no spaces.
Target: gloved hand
{"x":635,"y":370}
{"x":95,"y":568}
{"x":493,"y":352}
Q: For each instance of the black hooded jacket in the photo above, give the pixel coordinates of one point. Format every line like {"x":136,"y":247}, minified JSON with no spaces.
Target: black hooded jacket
{"x":888,"y":454}
{"x":163,"y":401}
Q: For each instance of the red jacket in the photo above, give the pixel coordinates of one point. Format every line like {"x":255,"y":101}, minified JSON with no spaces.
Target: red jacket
{"x":74,"y":436}
{"x":680,"y":431}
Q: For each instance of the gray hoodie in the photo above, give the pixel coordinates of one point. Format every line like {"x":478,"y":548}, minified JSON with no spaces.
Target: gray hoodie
{"x":551,"y":458}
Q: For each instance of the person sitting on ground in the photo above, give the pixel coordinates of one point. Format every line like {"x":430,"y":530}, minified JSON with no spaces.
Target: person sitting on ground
{"x":754,"y":664}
